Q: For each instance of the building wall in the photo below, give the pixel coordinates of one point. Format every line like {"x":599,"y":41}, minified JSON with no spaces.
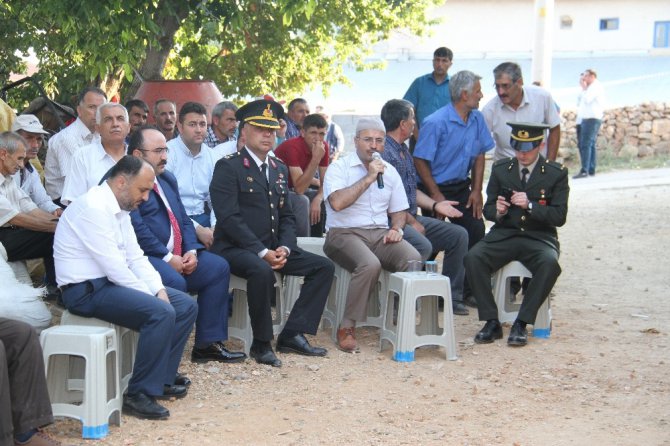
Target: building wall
{"x":505,"y":28}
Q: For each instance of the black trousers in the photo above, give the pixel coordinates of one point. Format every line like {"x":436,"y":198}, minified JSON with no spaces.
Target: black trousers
{"x":24,"y":398}
{"x":24,"y":244}
{"x":306,"y":314}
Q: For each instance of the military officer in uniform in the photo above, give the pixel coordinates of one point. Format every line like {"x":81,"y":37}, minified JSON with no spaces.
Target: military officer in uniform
{"x":527,"y":198}
{"x":255,"y":233}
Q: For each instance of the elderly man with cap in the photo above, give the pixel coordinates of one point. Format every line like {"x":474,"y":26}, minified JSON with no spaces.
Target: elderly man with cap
{"x":255,"y":233}
{"x":527,"y":199}
{"x":362,"y":193}
{"x":28,"y":178}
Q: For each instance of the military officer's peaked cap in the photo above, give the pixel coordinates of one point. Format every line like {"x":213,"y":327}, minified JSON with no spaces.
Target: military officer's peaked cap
{"x":261,"y":113}
{"x":526,"y":135}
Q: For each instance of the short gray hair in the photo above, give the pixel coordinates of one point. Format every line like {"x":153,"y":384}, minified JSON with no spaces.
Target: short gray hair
{"x":11,"y":142}
{"x":460,"y":82}
{"x":369,"y":124}
{"x":106,"y":105}
{"x":511,"y":69}
{"x":223,"y":106}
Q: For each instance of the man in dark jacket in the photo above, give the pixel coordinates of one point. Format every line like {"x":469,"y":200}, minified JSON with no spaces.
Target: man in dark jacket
{"x":527,"y":198}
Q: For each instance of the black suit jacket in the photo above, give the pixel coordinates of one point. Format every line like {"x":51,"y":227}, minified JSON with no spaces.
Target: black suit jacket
{"x":251,"y":213}
{"x":547,"y":189}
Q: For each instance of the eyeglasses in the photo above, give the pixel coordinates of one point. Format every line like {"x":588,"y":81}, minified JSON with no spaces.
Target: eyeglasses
{"x":370,"y":140}
{"x":157,"y":150}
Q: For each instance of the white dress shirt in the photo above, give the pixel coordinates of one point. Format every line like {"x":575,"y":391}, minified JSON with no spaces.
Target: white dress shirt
{"x":537,"y":105}
{"x":373,"y":206}
{"x":89,"y":165}
{"x":193,"y":173}
{"x":13,"y":200}
{"x":95,"y":238}
{"x":224,"y":149}
{"x":591,"y":103}
{"x":62,"y":147}
{"x":32,"y":185}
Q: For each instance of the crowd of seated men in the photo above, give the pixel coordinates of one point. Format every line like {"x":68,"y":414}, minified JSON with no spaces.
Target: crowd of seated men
{"x":131,"y":217}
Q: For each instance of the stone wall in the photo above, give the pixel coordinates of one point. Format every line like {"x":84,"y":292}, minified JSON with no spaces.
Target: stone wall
{"x":637,"y":131}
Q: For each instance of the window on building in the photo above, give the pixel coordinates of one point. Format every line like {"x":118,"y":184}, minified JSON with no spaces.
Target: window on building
{"x":609,"y":24}
{"x":566,"y":22}
{"x":662,"y":34}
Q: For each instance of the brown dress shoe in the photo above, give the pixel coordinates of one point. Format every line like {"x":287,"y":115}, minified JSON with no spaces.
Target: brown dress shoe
{"x":346,"y":340}
{"x":40,"y":439}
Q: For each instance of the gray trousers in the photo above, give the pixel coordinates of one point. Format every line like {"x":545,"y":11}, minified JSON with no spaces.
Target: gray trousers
{"x":300,"y":207}
{"x":363,"y":253}
{"x":442,"y":236}
{"x":24,"y":398}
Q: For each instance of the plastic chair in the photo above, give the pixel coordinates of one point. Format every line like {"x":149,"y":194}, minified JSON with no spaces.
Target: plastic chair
{"x":239,"y":323}
{"x":509,"y":309}
{"x":404,"y":333}
{"x":95,"y":399}
{"x":127,"y":343}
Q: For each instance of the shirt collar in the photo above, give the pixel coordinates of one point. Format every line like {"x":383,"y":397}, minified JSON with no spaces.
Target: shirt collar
{"x":113,"y":201}
{"x":256,"y":159}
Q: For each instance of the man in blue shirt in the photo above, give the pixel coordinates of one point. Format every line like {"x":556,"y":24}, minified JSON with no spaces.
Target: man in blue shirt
{"x":427,"y":235}
{"x":431,"y":91}
{"x":449,"y":155}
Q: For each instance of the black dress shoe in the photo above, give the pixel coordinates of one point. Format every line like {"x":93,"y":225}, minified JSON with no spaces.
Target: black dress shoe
{"x":492,"y":330}
{"x":298,"y":344}
{"x":460,"y":309}
{"x":182,"y":380}
{"x":144,"y":406}
{"x":172,"y":391}
{"x":518,"y":335}
{"x":216,"y":352}
{"x":581,"y":174}
{"x":265,"y":357}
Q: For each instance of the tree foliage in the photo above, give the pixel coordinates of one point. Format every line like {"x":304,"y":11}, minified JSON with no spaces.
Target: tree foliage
{"x":248,"y":47}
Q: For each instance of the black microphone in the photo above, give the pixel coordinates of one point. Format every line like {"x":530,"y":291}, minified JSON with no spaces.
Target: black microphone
{"x":380,"y":176}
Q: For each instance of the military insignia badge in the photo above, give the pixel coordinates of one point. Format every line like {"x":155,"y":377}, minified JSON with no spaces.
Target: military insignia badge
{"x":274,"y":166}
{"x":268,"y":112}
{"x":542,"y":200}
{"x":246,"y":162}
{"x":249,"y":179}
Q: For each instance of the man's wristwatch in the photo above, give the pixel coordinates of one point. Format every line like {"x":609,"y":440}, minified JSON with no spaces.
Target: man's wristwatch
{"x":402,"y":233}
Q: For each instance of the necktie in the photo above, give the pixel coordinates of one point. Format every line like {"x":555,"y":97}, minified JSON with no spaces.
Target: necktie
{"x":175,"y":226}
{"x":264,"y":170}
{"x":524,"y":173}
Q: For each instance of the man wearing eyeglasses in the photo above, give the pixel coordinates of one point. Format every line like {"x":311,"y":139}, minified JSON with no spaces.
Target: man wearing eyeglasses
{"x":362,"y":193}
{"x":520,"y":103}
{"x":90,"y":163}
{"x":431,"y":91}
{"x":192,"y":163}
{"x":167,"y":237}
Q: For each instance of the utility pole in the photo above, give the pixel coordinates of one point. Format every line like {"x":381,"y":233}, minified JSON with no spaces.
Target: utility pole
{"x":543,"y":42}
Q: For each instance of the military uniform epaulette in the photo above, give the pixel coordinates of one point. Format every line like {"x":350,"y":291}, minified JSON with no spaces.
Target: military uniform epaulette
{"x":554,"y":164}
{"x":232,"y":155}
{"x":503,"y":161}
{"x":279,"y":160}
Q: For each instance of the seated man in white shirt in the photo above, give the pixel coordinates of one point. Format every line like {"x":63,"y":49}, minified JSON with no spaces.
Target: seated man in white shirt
{"x":91,"y":162}
{"x":26,"y":232}
{"x":362,"y":192}
{"x":104,"y":274}
{"x":192,"y":162}
{"x":28,"y":178}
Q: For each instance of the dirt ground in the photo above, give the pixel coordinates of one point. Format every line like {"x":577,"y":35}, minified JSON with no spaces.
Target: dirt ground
{"x":602,"y":377}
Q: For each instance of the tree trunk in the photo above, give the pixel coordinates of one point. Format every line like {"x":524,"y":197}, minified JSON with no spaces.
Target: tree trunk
{"x":156,"y":56}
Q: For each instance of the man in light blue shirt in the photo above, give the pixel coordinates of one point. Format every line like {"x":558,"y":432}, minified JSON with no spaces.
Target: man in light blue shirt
{"x":191,"y":161}
{"x":431,"y":91}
